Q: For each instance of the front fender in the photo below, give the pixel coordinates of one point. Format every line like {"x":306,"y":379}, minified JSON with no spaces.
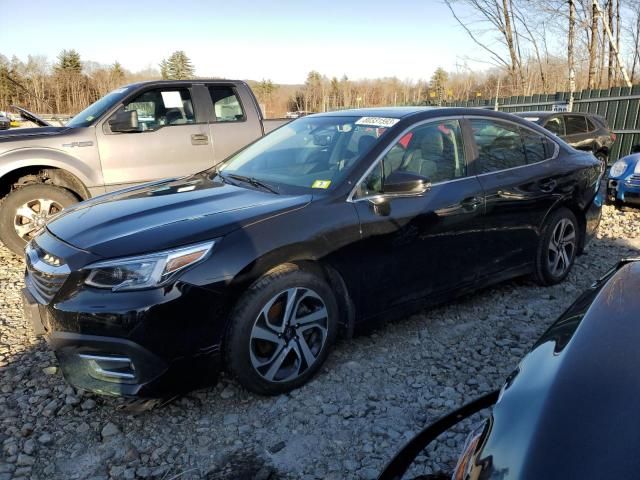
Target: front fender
{"x":89,"y":173}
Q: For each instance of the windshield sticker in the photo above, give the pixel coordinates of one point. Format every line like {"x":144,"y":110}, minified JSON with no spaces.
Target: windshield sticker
{"x":377,"y":121}
{"x":321,"y":184}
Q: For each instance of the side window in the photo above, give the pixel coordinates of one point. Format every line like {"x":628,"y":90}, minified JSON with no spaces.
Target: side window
{"x":226,"y":104}
{"x":590,"y":126}
{"x":161,"y":107}
{"x":434,"y":150}
{"x":536,"y":147}
{"x":555,"y":125}
{"x":576,"y":124}
{"x":499,"y":145}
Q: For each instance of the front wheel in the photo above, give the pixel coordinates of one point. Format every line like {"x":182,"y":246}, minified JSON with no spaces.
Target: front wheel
{"x":26,"y":210}
{"x":557,"y":248}
{"x":281,"y":332}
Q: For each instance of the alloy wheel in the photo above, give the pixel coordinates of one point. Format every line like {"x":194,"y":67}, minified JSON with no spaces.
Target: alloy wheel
{"x":562,"y":247}
{"x":32,"y":216}
{"x":289,"y":334}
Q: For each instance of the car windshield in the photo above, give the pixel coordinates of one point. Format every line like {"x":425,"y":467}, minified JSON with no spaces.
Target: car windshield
{"x":87,"y":116}
{"x":313,"y":152}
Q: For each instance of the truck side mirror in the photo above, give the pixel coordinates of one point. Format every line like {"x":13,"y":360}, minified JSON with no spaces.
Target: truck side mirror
{"x":124,"y":121}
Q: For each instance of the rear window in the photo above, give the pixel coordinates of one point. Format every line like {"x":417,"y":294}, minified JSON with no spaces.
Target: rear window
{"x":226,"y":104}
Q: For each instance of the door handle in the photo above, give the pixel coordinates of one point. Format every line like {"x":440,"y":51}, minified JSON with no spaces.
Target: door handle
{"x":199,"y":139}
{"x":548,"y":185}
{"x":472,"y":203}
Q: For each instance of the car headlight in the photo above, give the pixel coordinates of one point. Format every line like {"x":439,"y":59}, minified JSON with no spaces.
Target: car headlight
{"x":466,"y":462}
{"x":145,"y":271}
{"x":618,"y":168}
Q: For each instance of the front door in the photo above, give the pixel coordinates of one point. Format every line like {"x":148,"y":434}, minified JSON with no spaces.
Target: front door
{"x":420,"y":245}
{"x":172,"y":140}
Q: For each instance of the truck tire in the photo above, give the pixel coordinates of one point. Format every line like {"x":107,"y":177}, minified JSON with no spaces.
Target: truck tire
{"x":272,"y":349}
{"x":24,"y":211}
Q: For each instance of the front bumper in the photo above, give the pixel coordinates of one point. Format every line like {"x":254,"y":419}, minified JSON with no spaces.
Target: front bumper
{"x":624,"y":190}
{"x":151,"y":343}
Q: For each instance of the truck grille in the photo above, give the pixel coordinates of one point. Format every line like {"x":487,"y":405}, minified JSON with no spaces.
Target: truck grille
{"x":45,"y":273}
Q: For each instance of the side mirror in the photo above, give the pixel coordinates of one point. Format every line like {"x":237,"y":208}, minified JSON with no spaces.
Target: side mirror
{"x":123,"y":121}
{"x":406,"y":183}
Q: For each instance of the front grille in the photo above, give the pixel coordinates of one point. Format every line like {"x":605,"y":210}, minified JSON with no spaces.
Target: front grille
{"x":44,"y":278}
{"x":634,"y":179}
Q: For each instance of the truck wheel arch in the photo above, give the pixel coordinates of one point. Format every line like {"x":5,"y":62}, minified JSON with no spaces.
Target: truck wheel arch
{"x":45,"y":174}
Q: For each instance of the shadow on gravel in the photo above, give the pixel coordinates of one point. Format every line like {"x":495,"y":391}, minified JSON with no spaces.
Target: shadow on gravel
{"x":346,"y":423}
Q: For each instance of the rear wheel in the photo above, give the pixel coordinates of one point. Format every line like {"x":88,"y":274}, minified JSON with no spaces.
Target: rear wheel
{"x":557,"y":247}
{"x":26,"y":210}
{"x":282,"y":330}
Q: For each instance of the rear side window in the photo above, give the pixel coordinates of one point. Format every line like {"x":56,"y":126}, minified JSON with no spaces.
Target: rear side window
{"x":536,"y":147}
{"x":575,"y":124}
{"x":590,"y":125}
{"x":555,"y":125}
{"x":499,"y":144}
{"x":226,"y":104}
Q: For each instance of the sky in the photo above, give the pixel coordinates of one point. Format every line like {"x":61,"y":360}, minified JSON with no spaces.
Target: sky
{"x":246,"y":39}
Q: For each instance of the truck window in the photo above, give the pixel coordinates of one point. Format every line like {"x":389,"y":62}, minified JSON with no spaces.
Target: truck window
{"x":226,"y":104}
{"x":162,"y":107}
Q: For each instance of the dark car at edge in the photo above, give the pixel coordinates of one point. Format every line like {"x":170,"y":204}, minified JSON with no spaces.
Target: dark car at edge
{"x":569,"y":409}
{"x":581,"y":130}
{"x":328,"y":224}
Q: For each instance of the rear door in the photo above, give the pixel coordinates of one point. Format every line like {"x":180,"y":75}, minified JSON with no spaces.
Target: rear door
{"x":172,"y":139}
{"x":233,"y":120}
{"x":420,"y":245}
{"x":521,"y":183}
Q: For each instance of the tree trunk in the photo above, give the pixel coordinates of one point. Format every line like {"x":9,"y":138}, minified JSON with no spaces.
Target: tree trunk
{"x":593,"y":46}
{"x":610,"y":71}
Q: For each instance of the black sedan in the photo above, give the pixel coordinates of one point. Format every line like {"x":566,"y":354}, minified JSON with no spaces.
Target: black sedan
{"x":570,"y":409}
{"x":5,"y":121}
{"x":327,"y":224}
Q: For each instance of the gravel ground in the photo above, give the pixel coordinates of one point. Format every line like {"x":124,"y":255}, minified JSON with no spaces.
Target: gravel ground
{"x":374,"y":393}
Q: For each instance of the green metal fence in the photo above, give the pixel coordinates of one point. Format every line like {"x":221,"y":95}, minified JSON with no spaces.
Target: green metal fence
{"x":619,"y":105}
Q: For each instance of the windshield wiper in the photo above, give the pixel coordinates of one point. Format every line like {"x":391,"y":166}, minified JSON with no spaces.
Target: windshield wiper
{"x":251,"y":181}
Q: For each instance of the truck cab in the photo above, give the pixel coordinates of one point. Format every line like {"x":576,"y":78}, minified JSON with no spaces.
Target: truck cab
{"x":135,"y":134}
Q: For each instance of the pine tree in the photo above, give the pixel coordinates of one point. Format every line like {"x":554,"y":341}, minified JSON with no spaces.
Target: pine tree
{"x":69,"y":62}
{"x":177,"y":67}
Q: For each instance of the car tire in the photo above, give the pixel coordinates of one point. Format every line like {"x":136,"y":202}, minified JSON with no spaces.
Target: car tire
{"x":557,"y":248}
{"x":271,"y":349}
{"x":21,"y":215}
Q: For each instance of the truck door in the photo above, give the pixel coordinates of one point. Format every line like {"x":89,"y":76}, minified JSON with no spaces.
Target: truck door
{"x":234,"y":120}
{"x":172,"y":139}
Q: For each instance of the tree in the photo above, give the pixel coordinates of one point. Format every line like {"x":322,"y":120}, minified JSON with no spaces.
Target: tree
{"x":439,"y":83}
{"x":69,"y":62}
{"x":177,"y":67}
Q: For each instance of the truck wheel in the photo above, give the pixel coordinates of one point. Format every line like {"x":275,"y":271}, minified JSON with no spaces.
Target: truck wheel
{"x":557,"y":248}
{"x":281,"y":332}
{"x":26,"y":210}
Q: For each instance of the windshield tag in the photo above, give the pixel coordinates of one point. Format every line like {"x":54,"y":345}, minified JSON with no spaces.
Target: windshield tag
{"x":321,"y":184}
{"x":377,"y":121}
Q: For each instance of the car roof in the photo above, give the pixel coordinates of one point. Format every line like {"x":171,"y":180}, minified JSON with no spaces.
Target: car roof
{"x":182,"y":82}
{"x":404,"y":112}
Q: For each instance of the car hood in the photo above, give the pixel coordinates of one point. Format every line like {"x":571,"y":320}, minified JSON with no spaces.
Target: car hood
{"x":166,"y":214}
{"x":31,"y":117}
{"x":570,"y":410}
{"x":30,"y":133}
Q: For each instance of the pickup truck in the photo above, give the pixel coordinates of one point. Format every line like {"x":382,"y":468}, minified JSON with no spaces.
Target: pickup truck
{"x":135,"y":134}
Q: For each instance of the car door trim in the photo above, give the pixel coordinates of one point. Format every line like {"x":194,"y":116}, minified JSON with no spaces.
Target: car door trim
{"x":380,"y":157}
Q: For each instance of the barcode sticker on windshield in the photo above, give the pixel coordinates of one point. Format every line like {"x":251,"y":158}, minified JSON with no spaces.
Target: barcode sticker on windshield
{"x":377,"y":121}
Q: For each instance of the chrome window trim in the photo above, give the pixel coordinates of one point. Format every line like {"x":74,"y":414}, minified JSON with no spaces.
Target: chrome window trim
{"x":350,"y":198}
{"x":548,"y":137}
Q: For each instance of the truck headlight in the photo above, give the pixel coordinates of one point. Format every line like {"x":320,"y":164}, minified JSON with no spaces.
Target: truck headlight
{"x":618,"y":168}
{"x":145,"y":271}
